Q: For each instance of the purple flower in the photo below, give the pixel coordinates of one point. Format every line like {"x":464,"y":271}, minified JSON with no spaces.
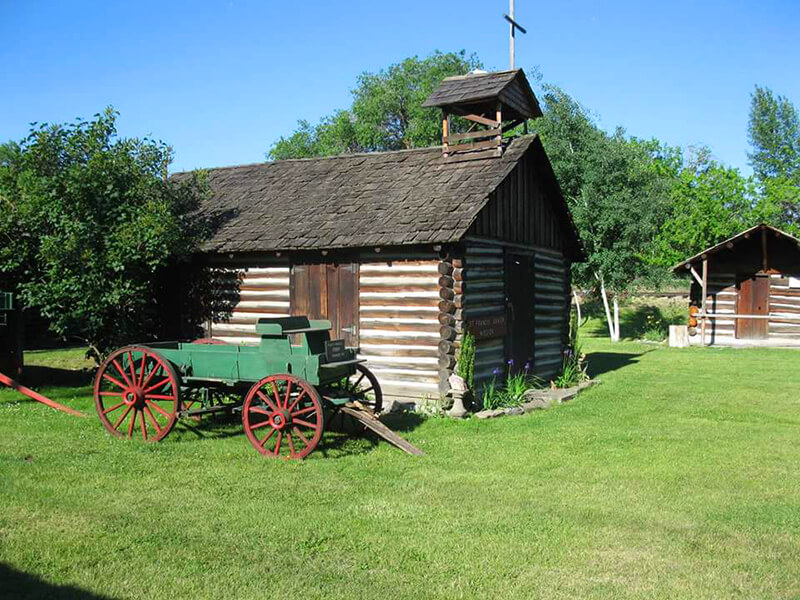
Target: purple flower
{"x":510,"y":362}
{"x":496,"y":372}
{"x":527,"y":366}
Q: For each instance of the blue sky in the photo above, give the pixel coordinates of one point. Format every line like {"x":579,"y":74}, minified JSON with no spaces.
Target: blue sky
{"x":220,"y":80}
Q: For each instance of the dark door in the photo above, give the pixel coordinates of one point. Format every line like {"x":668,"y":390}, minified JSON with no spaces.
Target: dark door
{"x":328,"y":291}
{"x":519,"y":307}
{"x":753,"y":299}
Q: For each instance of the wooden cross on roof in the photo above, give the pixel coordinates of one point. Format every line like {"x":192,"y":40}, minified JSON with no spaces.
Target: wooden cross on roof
{"x":513,"y":26}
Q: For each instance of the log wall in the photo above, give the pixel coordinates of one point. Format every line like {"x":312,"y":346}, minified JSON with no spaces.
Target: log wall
{"x":251,"y":293}
{"x":552,"y":293}
{"x":399,"y":325}
{"x":784,"y":303}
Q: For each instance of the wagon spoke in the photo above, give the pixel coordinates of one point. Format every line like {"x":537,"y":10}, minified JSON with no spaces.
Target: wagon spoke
{"x":153,"y":419}
{"x":360,"y":379}
{"x":142,"y":369}
{"x":261,"y":424}
{"x":132,"y":424}
{"x":132,"y":366}
{"x":263,"y":442}
{"x":144,"y":425}
{"x":121,"y":371}
{"x":259,"y":410}
{"x":304,"y":423}
{"x":111,"y":394}
{"x":291,"y":444}
{"x":296,"y":400}
{"x":288,"y":393}
{"x":266,"y":399}
{"x":113,"y":408}
{"x":157,"y":385}
{"x":304,"y":411}
{"x":150,"y":375}
{"x":300,"y":435}
{"x":369,"y":389}
{"x":122,"y":418}
{"x":159,"y":397}
{"x":277,"y":449}
{"x":114,"y":381}
{"x":275,"y":393}
{"x":157,"y":407}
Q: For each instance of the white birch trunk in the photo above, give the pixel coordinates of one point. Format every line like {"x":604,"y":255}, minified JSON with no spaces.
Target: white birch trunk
{"x":611,"y":330}
{"x":616,"y":319}
{"x":577,"y":306}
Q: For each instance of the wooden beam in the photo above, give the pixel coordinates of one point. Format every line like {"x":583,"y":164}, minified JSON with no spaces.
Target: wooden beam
{"x":694,"y":274}
{"x":514,"y":124}
{"x":483,"y":120}
{"x":476,"y":135}
{"x":445,"y":131}
{"x":704,"y":285}
{"x":764,"y":256}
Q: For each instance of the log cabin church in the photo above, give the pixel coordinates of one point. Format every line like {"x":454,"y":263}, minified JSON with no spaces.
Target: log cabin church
{"x":404,"y":251}
{"x":746,"y":290}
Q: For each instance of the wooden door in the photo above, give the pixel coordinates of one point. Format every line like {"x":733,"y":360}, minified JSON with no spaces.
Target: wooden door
{"x":328,"y":291}
{"x":753,"y":299}
{"x":520,"y":307}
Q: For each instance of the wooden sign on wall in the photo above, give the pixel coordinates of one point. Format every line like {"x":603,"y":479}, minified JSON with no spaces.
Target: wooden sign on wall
{"x":492,"y":326}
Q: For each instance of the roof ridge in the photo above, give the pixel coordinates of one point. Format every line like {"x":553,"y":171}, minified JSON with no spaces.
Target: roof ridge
{"x":467,"y":75}
{"x":312,"y":158}
{"x":333,"y":156}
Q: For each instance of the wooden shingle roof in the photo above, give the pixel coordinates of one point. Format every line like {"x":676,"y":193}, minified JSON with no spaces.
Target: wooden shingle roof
{"x":482,"y":90}
{"x":356,"y":200}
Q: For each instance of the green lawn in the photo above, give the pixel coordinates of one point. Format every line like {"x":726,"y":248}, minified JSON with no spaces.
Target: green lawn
{"x":678,"y":477}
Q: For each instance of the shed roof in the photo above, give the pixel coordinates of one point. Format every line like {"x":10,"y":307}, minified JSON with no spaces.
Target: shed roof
{"x":723,"y":245}
{"x":357,"y":200}
{"x":509,"y":87}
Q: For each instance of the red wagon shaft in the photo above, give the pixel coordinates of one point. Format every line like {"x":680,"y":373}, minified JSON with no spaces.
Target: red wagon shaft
{"x":6,"y":380}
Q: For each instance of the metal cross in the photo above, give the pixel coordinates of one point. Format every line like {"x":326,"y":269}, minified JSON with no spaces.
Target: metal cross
{"x":513,"y":25}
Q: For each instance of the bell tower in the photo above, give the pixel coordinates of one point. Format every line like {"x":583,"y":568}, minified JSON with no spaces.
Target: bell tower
{"x":492,"y":103}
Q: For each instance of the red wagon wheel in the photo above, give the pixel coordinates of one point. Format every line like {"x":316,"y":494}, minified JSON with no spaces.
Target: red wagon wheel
{"x":137,"y":393}
{"x":282,"y":417}
{"x":364,"y":387}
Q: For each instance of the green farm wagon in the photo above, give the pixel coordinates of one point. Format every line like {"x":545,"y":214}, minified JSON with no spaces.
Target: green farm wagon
{"x":287,"y":388}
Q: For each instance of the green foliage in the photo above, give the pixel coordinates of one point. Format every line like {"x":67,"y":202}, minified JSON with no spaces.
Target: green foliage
{"x":709,"y":203}
{"x":386,"y":113}
{"x":574,"y":366}
{"x":774,"y":133}
{"x":512,"y":391}
{"x":92,"y":229}
{"x":615,"y":190}
{"x":465,"y":365}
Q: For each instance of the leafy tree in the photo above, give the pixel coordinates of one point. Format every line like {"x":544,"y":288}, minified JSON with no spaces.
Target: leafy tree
{"x":774,"y":133}
{"x":709,"y":202}
{"x":616,"y":193}
{"x":90,"y":224}
{"x":386,"y":113}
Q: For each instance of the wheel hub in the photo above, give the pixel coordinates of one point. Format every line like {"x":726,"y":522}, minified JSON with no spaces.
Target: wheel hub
{"x":134,"y":397}
{"x":280,"y":419}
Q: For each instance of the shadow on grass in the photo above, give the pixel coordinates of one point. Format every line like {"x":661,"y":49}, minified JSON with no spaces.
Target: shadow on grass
{"x":342,"y":437}
{"x":23,"y":586}
{"x":36,"y":376}
{"x":604,"y":362}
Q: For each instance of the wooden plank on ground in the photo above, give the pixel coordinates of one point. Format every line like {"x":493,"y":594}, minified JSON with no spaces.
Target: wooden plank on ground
{"x":372,"y":423}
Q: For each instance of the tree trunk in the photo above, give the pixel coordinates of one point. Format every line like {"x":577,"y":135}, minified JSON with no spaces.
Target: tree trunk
{"x":616,"y":318}
{"x":609,"y":320}
{"x":577,"y":306}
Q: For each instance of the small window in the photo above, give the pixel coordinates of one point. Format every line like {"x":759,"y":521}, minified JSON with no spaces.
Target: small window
{"x":794,"y":282}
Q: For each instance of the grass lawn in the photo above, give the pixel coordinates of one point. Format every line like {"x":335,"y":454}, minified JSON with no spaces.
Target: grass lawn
{"x":678,"y":477}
